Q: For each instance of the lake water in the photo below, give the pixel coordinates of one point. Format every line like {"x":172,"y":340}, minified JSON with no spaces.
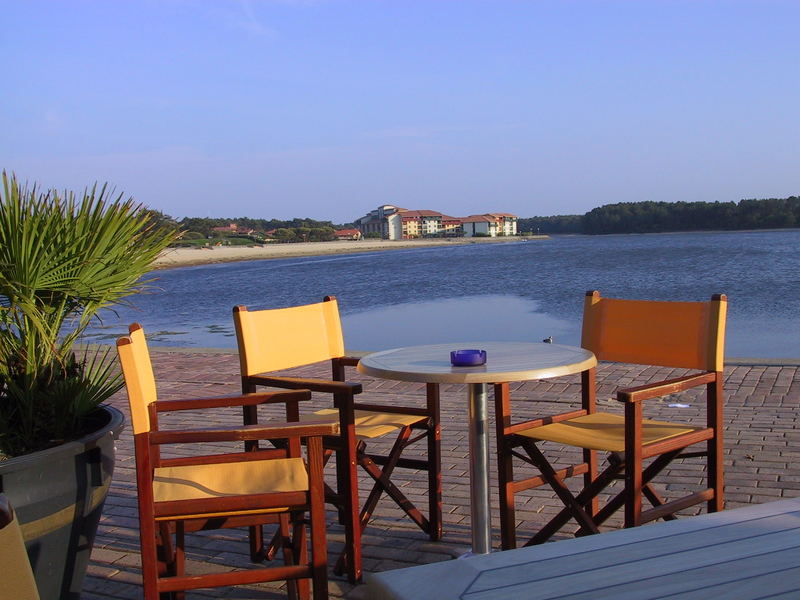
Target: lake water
{"x":515,"y":291}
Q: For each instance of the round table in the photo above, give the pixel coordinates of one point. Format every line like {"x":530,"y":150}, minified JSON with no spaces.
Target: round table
{"x":505,"y":361}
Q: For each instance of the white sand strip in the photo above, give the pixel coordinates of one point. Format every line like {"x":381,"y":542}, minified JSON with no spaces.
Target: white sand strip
{"x":182,"y":257}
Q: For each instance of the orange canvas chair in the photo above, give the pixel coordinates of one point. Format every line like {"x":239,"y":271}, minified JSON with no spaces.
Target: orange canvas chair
{"x":684,"y":335}
{"x":17,"y":580}
{"x":235,"y":489}
{"x":277,"y":339}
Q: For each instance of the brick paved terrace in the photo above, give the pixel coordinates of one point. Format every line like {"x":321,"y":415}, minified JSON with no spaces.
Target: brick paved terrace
{"x":762,"y":449}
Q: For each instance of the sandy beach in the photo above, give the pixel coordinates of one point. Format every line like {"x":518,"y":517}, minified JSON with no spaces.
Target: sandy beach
{"x":184,"y":257}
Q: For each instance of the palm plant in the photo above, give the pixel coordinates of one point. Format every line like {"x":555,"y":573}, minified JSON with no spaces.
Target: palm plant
{"x":62,"y":259}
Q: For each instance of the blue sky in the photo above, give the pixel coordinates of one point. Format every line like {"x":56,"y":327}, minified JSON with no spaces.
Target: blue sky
{"x":277,"y":109}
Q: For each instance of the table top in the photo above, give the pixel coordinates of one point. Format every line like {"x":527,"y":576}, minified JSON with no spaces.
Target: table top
{"x":505,"y":361}
{"x":741,"y":554}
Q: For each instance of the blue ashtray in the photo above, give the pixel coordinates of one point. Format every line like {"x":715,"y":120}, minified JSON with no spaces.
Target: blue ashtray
{"x":467,"y":358}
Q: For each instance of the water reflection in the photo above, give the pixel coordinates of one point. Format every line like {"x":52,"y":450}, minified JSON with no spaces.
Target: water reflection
{"x":494,"y":317}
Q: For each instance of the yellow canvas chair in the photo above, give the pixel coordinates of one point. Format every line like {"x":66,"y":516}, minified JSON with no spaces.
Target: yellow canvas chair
{"x":235,"y":489}
{"x":16,"y":581}
{"x":684,"y":335}
{"x":278,"y":339}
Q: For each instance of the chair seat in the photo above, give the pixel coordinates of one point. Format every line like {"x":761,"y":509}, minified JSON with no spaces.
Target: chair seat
{"x":369,"y":424}
{"x":201,"y":482}
{"x":603,"y":431}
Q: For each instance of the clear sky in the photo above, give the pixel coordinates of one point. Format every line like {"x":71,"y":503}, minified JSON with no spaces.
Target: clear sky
{"x":280,"y":109}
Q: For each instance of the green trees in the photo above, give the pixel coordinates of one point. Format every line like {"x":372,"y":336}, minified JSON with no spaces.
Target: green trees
{"x":206,"y":225}
{"x":650,"y":217}
{"x":655,"y":217}
{"x":62,"y":259}
{"x":556,"y":224}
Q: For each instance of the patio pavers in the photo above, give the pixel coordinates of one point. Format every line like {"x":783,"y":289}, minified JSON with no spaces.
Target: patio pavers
{"x":762,"y":449}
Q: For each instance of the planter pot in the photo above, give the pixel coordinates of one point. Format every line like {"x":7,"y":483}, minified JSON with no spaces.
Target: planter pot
{"x":58,"y":495}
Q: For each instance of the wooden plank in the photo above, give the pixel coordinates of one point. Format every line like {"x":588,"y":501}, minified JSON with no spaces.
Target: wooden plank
{"x":621,"y":569}
{"x":611,"y":559}
{"x":594,"y":563}
{"x":748,"y":578}
{"x":773,"y":585}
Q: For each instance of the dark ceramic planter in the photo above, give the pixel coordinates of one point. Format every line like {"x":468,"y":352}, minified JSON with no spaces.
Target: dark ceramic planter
{"x":58,"y":496}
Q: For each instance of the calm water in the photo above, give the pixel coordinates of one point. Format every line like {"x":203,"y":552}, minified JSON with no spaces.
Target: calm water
{"x":512,"y":291}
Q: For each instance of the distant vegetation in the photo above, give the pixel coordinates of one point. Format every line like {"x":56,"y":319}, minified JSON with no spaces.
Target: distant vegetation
{"x":557,"y":224}
{"x":200,"y":231}
{"x":654,"y":217}
{"x":206,"y":225}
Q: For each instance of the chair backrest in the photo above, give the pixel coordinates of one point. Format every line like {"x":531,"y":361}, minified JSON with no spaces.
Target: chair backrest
{"x":282,"y":338}
{"x":138,"y":371}
{"x":17,"y":580}
{"x":687,"y":335}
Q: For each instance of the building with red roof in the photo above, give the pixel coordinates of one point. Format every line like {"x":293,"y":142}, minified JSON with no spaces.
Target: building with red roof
{"x":394,"y":223}
{"x":347,"y":234}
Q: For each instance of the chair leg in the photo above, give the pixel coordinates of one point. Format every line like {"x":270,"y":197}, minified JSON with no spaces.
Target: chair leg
{"x":165,"y":550}
{"x":590,"y":458}
{"x":633,"y":464}
{"x":508,"y":537}
{"x":150,"y":560}
{"x":505,"y":469}
{"x":258,"y":552}
{"x":434,"y":463}
{"x":589,"y":404}
{"x":319,"y":545}
{"x":715,"y":446}
{"x":300,"y":554}
{"x":180,"y":555}
{"x":297,"y":589}
{"x":347,"y":486}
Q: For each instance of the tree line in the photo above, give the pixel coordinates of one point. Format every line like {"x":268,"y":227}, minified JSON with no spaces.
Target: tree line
{"x":293,"y":230}
{"x":657,"y":217}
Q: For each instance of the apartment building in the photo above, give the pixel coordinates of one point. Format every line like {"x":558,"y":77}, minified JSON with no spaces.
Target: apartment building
{"x":378,"y":221}
{"x":394,"y":223}
{"x":491,"y":224}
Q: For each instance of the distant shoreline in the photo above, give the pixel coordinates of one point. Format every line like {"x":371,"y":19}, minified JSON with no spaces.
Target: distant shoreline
{"x":186,"y":257}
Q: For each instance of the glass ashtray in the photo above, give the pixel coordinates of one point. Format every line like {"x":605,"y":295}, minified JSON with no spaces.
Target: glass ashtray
{"x":467,"y":358}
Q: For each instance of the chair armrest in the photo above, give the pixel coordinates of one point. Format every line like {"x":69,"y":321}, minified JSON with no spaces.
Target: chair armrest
{"x":664,"y":388}
{"x":245,"y":433}
{"x":223,"y":401}
{"x":345,"y":361}
{"x":351,"y":358}
{"x":315,"y":385}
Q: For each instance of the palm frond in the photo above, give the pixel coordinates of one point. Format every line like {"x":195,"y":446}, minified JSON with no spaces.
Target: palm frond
{"x":62,"y":259}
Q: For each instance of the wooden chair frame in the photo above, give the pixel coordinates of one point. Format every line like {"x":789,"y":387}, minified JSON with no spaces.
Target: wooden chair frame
{"x":351,"y":452}
{"x":163,"y":559}
{"x":628,"y":464}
